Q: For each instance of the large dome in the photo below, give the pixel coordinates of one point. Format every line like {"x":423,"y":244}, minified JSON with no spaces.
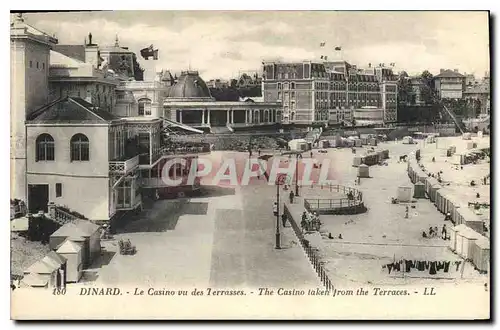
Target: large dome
{"x":189,"y":85}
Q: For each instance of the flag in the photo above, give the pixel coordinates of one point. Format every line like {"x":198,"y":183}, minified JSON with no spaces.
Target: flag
{"x":322,"y":44}
{"x":326,"y":57}
{"x":338,"y":48}
{"x":321,"y":56}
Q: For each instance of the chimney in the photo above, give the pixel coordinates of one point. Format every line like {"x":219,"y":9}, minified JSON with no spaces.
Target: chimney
{"x":455,"y":70}
{"x":92,"y":55}
{"x":441,"y":70}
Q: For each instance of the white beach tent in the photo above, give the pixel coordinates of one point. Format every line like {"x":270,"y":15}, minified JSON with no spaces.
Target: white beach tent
{"x":465,"y":237}
{"x":453,"y":236}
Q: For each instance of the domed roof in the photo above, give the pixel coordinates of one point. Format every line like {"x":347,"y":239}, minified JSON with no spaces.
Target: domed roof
{"x":189,"y":85}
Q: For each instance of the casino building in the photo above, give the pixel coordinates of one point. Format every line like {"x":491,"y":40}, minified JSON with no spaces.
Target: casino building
{"x":188,"y":101}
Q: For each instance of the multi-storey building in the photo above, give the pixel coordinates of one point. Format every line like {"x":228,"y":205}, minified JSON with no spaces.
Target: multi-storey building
{"x":449,"y":84}
{"x":29,"y":81}
{"x":75,"y":146}
{"x":329,"y":92}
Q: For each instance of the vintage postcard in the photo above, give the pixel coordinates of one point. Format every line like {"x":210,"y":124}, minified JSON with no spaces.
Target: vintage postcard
{"x":317,"y":165}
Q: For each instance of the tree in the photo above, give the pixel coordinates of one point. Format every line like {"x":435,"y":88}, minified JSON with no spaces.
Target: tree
{"x":404,"y":88}
{"x":427,"y":93}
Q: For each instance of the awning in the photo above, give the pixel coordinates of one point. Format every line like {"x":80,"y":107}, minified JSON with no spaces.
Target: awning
{"x":182,"y":126}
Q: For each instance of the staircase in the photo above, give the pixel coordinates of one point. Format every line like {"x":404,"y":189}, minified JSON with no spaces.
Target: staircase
{"x":451,"y":114}
{"x":60,"y":216}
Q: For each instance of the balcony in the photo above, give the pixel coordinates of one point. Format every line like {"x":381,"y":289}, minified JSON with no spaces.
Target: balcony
{"x":123,"y":166}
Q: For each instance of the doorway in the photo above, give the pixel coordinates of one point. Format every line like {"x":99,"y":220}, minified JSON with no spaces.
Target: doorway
{"x":38,"y":198}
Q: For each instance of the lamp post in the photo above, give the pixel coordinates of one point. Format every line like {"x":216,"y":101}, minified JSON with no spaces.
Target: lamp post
{"x":279,"y":181}
{"x":297,"y":156}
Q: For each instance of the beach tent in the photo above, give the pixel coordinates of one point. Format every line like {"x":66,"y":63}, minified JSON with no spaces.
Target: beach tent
{"x":480,"y":254}
{"x":404,"y":194}
{"x":364,"y":171}
{"x":466,"y":216}
{"x":465,"y":237}
{"x":431,"y":186}
{"x":72,"y":251}
{"x":453,"y":236}
{"x":357,"y":160}
{"x":419,"y":190}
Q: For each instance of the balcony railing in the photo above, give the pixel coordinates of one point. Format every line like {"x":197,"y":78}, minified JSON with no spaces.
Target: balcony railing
{"x":192,"y":148}
{"x":124,"y":166}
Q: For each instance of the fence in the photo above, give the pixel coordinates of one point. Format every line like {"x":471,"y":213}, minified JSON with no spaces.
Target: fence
{"x":333,"y":205}
{"x":60,"y":216}
{"x":312,"y":253}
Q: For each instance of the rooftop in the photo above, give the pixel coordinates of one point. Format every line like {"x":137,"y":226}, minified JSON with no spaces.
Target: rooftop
{"x":70,"y":110}
{"x":449,"y":74}
{"x":83,"y":228}
{"x":189,"y":86}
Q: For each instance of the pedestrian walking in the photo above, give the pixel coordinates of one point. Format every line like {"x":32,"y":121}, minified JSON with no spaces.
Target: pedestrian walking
{"x":443,"y":232}
{"x":291,"y":196}
{"x":275,"y":209}
{"x":311,"y":154}
{"x":283,"y":219}
{"x":259,"y":152}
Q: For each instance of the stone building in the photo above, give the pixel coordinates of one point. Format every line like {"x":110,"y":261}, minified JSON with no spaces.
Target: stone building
{"x":328,"y":92}
{"x":189,"y":102}
{"x":449,"y":84}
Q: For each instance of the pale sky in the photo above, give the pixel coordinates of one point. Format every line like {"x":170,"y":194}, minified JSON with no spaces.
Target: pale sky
{"x":221,"y":44}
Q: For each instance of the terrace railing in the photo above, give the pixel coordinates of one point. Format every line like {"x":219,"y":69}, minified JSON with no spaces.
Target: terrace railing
{"x":123,"y":166}
{"x":311,"y":252}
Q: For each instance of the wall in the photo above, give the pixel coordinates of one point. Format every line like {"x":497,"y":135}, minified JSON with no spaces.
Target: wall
{"x":29,"y":91}
{"x":84,"y":184}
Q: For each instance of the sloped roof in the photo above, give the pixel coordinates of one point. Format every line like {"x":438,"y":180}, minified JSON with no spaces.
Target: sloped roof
{"x":70,"y":110}
{"x":449,"y":74}
{"x":69,"y":247}
{"x":83,"y":228}
{"x":74,"y":51}
{"x":42,"y":267}
{"x":62,"y":60}
{"x":56,"y":257}
{"x":35,"y":280}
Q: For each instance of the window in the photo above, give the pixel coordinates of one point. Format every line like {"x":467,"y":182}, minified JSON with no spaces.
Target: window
{"x":37,"y":64}
{"x":292,"y":85}
{"x":79,"y":148}
{"x":58,"y":189}
{"x":279,"y":85}
{"x":44,"y":148}
{"x":31,"y":64}
{"x":279,"y":95}
{"x":43,"y":66}
{"x":144,"y":107}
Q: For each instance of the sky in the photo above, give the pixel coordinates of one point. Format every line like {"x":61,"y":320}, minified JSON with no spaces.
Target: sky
{"x":223,"y":44}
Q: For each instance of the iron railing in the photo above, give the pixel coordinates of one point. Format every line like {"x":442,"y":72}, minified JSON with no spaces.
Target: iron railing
{"x":311,"y":252}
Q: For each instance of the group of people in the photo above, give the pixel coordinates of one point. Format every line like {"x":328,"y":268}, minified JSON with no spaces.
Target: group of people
{"x":310,"y":221}
{"x":433,"y":232}
{"x":421,"y":265}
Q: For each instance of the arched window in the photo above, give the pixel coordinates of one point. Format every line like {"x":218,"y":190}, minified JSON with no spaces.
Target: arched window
{"x":292,"y":85}
{"x":79,"y":148}
{"x":44,"y":147}
{"x":144,"y":107}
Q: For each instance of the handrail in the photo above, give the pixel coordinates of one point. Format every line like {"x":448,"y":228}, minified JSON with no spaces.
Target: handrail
{"x":310,"y":252}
